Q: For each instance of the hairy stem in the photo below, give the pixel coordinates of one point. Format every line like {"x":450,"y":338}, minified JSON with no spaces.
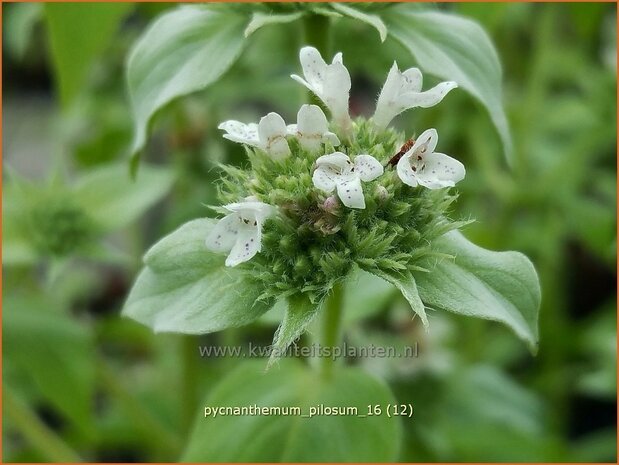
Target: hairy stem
{"x":331,"y":328}
{"x":37,"y":433}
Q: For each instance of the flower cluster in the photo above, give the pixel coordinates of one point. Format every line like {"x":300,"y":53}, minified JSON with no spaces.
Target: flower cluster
{"x":305,"y":175}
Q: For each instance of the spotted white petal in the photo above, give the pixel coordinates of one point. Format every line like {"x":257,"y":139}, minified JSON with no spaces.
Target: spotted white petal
{"x":314,"y":67}
{"x":425,"y":143}
{"x":337,"y":160}
{"x":440,"y":171}
{"x":402,"y":91}
{"x":248,"y":243}
{"x":223,"y":236}
{"x":336,"y":92}
{"x":350,"y":192}
{"x":251,"y":208}
{"x":367,"y":167}
{"x":426,"y":99}
{"x":241,"y":132}
{"x":398,"y":83}
{"x":325,"y":178}
{"x":272,"y":133}
{"x":406,"y":173}
{"x":330,"y":170}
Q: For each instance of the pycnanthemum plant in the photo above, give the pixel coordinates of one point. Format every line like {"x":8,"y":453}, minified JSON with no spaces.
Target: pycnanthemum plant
{"x":320,"y":200}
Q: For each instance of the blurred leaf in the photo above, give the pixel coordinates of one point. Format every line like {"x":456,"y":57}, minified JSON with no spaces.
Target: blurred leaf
{"x":593,"y":220}
{"x":597,"y":447}
{"x":183,"y":51}
{"x":16,"y":248}
{"x":484,"y":403}
{"x":281,"y":438}
{"x":21,"y":19}
{"x":114,"y":200}
{"x":485,"y":394}
{"x":77,"y":34}
{"x":184,"y":288}
{"x":599,"y":344}
{"x":499,"y":286}
{"x":260,"y":19}
{"x":300,"y":312}
{"x":372,"y":20}
{"x":56,"y":352}
{"x":455,"y":48}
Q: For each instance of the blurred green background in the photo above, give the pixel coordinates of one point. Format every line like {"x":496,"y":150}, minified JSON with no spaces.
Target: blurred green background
{"x":81,"y":383}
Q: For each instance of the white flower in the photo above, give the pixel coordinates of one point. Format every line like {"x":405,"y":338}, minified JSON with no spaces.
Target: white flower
{"x":336,"y":171}
{"x":312,"y":128}
{"x":240,"y":232}
{"x":421,"y":165}
{"x":403,"y":91}
{"x":268,"y":135}
{"x":330,"y":83}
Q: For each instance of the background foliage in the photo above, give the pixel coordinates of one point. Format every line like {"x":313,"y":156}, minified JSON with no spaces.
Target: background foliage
{"x":80,"y":383}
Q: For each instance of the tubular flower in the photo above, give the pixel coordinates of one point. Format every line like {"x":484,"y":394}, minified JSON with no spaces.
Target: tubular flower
{"x":312,"y":129}
{"x":421,"y":165}
{"x":336,"y":171}
{"x":268,"y":135}
{"x":402,"y":91}
{"x":331,"y":83}
{"x":240,"y":232}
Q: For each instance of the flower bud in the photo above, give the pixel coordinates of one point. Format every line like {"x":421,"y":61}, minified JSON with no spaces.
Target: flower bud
{"x":331,"y":204}
{"x":381,"y":193}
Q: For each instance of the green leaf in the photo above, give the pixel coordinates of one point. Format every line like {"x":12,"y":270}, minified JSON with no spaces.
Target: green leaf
{"x":407,"y":286}
{"x":183,"y":51}
{"x":77,"y":34}
{"x":114,"y":200}
{"x":184,"y":288}
{"x":53,"y":351}
{"x":300,"y":312}
{"x":259,"y":20}
{"x":499,"y":286}
{"x":372,"y":20}
{"x":455,"y":48}
{"x":288,"y":438}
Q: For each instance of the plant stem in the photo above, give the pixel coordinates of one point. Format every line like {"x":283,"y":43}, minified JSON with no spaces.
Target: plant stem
{"x":35,"y":431}
{"x":317,"y":33}
{"x":331,"y":328}
{"x":190,"y":359}
{"x":168,"y":444}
